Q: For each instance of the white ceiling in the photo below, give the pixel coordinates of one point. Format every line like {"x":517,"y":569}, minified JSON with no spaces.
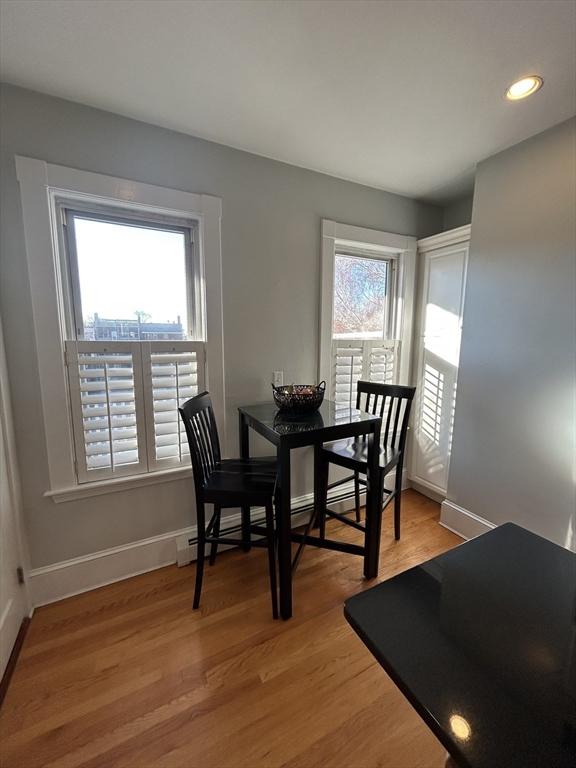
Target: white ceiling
{"x":403,"y":95}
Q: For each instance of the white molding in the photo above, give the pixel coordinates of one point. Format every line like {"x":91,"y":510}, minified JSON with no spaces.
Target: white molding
{"x":326,"y":303}
{"x":43,"y":268}
{"x":427,"y":489}
{"x":101,"y":487}
{"x":41,"y":185}
{"x":12,"y":518}
{"x":82,"y":574}
{"x":365,"y":237}
{"x":211,"y":236}
{"x":405,"y":309}
{"x":462,"y":521}
{"x":441,"y":240}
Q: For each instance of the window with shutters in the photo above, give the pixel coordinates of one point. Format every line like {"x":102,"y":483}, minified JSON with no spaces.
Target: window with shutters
{"x":366,"y":310}
{"x":136,"y":316}
{"x":126,"y":290}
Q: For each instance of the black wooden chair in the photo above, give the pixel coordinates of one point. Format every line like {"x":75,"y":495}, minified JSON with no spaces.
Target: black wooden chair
{"x":392,"y":403}
{"x":225,"y":483}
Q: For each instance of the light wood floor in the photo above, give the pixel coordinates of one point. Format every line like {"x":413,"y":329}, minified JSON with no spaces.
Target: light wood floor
{"x":128,"y":675}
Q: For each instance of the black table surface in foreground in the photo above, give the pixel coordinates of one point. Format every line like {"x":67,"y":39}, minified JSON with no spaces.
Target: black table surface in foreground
{"x":482,"y":641}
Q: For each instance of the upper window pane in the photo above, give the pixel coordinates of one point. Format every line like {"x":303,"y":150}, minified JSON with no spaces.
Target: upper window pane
{"x":360,"y":286}
{"x":132,"y":281}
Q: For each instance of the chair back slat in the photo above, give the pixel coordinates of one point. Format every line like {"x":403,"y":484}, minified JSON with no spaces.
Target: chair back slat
{"x":392,"y":403}
{"x":202,"y":433}
{"x":206,"y":439}
{"x":399,"y":407}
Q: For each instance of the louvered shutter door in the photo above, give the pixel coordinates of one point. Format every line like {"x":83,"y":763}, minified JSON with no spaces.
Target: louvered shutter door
{"x":366,"y":360}
{"x":438,"y":360}
{"x":105,"y":380}
{"x":173,"y":373}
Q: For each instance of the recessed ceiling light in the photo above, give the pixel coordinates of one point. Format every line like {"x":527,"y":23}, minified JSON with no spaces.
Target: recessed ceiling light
{"x":524,"y":87}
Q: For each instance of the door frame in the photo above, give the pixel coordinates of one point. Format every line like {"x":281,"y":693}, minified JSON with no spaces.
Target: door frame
{"x":15,"y":499}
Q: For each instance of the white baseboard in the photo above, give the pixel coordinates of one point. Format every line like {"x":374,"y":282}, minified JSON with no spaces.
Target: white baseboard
{"x":81,"y":574}
{"x":461,"y":521}
{"x":427,"y":490}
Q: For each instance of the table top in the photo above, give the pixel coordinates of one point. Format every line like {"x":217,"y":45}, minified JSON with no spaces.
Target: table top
{"x":328,"y":422}
{"x":482,"y":641}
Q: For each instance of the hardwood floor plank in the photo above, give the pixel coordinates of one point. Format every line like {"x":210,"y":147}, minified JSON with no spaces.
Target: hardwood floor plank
{"x":128,"y":676}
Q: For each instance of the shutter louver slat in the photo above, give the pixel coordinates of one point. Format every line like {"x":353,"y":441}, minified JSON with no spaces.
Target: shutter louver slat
{"x":348,"y":363}
{"x":358,"y":359}
{"x":176,"y":373}
{"x":125,"y":398}
{"x":105,"y":388}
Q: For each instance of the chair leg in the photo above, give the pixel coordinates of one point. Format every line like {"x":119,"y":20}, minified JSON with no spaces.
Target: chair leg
{"x":397,"y":501}
{"x":271,"y":538}
{"x":357,"y":495}
{"x":200,"y":559}
{"x":215,"y":533}
{"x":246,"y":537}
{"x":373,"y":527}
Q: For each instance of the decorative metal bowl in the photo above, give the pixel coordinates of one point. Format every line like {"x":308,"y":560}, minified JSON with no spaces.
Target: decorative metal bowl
{"x":299,"y":398}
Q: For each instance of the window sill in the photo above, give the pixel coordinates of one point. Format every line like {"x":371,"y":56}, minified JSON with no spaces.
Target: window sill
{"x":101,"y":487}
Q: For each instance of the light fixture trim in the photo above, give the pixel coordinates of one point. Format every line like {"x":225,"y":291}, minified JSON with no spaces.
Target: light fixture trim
{"x":524,"y":87}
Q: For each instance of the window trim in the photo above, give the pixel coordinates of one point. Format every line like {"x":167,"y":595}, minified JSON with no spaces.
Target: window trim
{"x":42,"y":186}
{"x":401,"y":249}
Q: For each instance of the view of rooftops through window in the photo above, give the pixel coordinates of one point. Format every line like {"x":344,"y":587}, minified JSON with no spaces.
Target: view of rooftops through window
{"x":132,"y":281}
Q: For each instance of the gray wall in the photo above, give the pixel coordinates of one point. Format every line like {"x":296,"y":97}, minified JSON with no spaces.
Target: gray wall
{"x":271,"y":266}
{"x":514,"y":443}
{"x":458,"y":213}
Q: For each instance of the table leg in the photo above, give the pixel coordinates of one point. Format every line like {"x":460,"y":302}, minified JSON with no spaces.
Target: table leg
{"x":320,"y":490}
{"x":284,"y":529}
{"x":316,"y":510}
{"x":244,"y":437}
{"x":373,"y":507}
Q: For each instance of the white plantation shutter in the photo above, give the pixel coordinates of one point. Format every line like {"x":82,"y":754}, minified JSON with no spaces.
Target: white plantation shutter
{"x":382,"y":367}
{"x":347,"y":367}
{"x":366,"y":360}
{"x":105,"y":381}
{"x":125,"y":397}
{"x":173,"y":373}
{"x":435,"y":405}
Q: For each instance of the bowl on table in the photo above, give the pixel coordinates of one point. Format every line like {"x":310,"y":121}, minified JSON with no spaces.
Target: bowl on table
{"x":297,"y":399}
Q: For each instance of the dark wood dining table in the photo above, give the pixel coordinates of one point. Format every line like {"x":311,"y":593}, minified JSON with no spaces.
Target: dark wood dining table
{"x":330,"y":422}
{"x":482,"y":641}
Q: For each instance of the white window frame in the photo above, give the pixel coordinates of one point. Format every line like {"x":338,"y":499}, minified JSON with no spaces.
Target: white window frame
{"x":67,"y":211}
{"x":43,"y":186}
{"x":401,"y":249}
{"x":390,"y":304}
